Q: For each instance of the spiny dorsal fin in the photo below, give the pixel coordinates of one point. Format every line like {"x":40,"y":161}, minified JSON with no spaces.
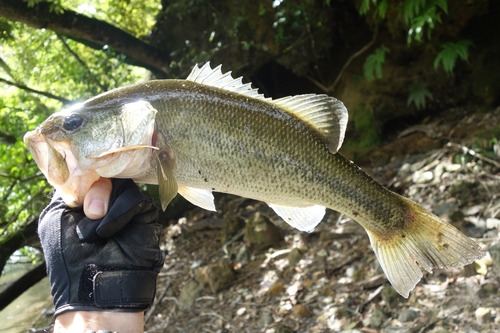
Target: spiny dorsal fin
{"x":327,"y":115}
{"x":324,"y":114}
{"x":215,"y":78}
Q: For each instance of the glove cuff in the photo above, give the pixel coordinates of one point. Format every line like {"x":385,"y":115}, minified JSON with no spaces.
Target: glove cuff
{"x":113,"y":289}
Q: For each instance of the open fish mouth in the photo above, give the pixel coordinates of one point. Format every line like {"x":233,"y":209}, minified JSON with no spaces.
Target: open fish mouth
{"x":58,"y":163}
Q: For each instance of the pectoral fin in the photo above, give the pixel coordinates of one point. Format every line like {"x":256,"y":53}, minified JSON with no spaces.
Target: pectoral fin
{"x":200,"y":198}
{"x":166,"y":180}
{"x":302,"y":218}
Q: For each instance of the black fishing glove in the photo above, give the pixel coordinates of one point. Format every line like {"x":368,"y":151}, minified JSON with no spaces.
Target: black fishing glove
{"x":109,"y":264}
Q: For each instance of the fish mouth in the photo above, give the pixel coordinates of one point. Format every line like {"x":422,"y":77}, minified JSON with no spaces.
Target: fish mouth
{"x":60,"y":167}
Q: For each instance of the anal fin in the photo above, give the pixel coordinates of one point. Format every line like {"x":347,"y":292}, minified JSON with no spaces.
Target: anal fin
{"x":198,"y":197}
{"x":302,"y":218}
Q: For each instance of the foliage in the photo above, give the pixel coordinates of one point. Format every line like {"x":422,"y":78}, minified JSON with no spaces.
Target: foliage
{"x":42,"y":60}
{"x":372,"y":67}
{"x":417,"y":15}
{"x":418,"y":95}
{"x":449,"y":54}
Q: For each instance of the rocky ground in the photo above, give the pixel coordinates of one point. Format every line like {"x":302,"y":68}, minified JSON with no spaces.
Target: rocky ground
{"x":244,"y":270}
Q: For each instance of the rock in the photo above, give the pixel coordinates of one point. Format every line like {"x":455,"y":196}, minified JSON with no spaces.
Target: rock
{"x":422,"y":177}
{"x":283,"y":329}
{"x":492,"y":223}
{"x":294,"y":256}
{"x":494,"y":251}
{"x":475,"y":232}
{"x":407,"y":315}
{"x":439,"y":329}
{"x":473,"y":210}
{"x":260,"y":233}
{"x":216,"y":276}
{"x":390,"y":296}
{"x":483,"y":315}
{"x":189,"y":293}
{"x":241,"y":311}
{"x":445,"y":208}
{"x":265,"y":319}
{"x":377,"y":318}
{"x":300,"y":311}
{"x":322,"y":253}
{"x":276,"y":289}
{"x":487,"y":289}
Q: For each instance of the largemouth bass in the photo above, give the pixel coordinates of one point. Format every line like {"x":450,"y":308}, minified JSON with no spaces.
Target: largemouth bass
{"x":211,"y":132}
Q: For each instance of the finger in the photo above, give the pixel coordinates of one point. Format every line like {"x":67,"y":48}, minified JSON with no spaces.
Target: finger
{"x":96,"y":202}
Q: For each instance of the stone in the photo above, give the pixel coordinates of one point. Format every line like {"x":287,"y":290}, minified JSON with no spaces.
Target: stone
{"x":390,"y":296}
{"x":445,"y":208}
{"x":216,"y":276}
{"x":276,"y":289}
{"x":188,"y":294}
{"x":322,"y":253}
{"x":283,"y":329}
{"x":300,"y":311}
{"x":407,"y":315}
{"x":294,"y":257}
{"x":265,"y":319}
{"x":260,"y":233}
{"x":377,"y":318}
{"x":422,"y":177}
{"x":483,"y":315}
{"x":487,"y":289}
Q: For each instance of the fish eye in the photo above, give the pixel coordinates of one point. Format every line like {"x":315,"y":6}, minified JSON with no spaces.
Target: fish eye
{"x":72,"y":122}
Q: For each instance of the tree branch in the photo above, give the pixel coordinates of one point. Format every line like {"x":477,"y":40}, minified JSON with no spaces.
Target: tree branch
{"x":90,"y":31}
{"x":81,"y":62}
{"x":331,"y":88}
{"x":21,"y":285}
{"x":43,"y":93}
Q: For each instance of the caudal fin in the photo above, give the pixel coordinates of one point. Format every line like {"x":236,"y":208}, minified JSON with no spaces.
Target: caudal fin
{"x":427,"y":242}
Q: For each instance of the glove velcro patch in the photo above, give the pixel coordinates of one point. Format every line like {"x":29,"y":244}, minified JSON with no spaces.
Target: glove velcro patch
{"x":117,"y":288}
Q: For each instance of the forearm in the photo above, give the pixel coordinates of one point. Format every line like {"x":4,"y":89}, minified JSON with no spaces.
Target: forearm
{"x":81,"y":321}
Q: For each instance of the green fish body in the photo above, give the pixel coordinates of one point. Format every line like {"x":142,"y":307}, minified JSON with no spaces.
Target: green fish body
{"x":211,"y":133}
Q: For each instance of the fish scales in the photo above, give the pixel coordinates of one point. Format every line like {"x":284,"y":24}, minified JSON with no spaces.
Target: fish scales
{"x":211,"y":132}
{"x":256,"y":152}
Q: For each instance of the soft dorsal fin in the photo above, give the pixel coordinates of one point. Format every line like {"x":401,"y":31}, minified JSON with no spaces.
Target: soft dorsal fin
{"x":324,"y":114}
{"x":215,"y":77}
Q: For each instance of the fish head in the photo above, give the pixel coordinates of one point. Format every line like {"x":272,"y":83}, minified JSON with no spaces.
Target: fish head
{"x":75,"y":147}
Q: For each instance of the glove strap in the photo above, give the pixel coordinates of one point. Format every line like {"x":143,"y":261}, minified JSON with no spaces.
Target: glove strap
{"x":117,"y":288}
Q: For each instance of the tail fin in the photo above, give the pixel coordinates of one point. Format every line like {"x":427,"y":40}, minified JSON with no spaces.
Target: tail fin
{"x":426,"y":242}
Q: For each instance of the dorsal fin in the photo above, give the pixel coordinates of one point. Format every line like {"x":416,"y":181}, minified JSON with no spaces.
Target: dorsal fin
{"x":327,"y":115}
{"x":215,"y":77}
{"x":324,"y":114}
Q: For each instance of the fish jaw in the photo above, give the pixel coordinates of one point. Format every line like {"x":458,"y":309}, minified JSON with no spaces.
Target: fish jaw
{"x":60,"y":167}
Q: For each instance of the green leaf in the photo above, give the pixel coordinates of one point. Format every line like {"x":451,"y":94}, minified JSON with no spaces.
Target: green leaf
{"x":418,"y":96}
{"x":449,"y":54}
{"x":372,"y":67}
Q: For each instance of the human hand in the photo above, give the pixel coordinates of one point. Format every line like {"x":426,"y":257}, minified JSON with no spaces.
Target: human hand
{"x":96,"y":202}
{"x":108,"y":264}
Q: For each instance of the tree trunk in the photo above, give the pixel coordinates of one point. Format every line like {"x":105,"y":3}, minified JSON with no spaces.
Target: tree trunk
{"x":89,"y":31}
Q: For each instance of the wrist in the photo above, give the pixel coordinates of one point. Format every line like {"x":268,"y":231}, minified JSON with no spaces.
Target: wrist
{"x":81,"y":321}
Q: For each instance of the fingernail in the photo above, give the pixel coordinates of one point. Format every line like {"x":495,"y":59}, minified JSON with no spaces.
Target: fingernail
{"x":96,"y":209}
